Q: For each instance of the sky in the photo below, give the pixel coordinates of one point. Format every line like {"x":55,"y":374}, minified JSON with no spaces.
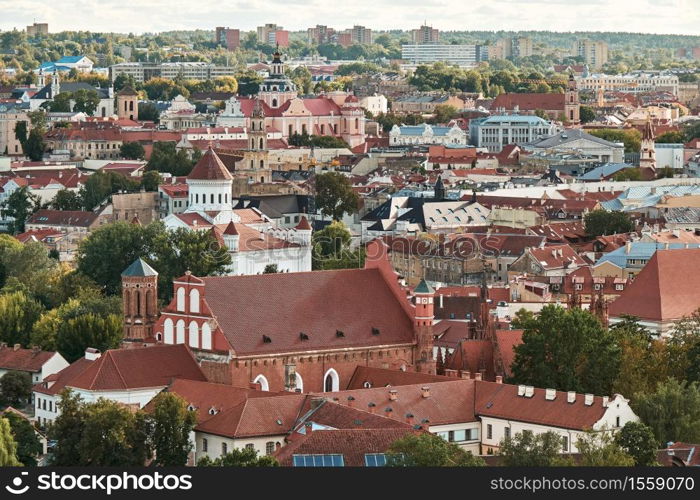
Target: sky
{"x":138,"y":16}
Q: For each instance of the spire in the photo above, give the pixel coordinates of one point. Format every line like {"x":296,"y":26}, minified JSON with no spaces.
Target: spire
{"x":439,"y":189}
{"x":303,"y":224}
{"x":139,"y":268}
{"x":231,"y":229}
{"x":258,"y":109}
{"x":210,"y":167}
{"x":424,"y":288}
{"x":648,"y":132}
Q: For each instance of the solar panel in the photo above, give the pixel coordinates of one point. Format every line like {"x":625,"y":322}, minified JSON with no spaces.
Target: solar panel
{"x":375,"y":459}
{"x":335,"y":460}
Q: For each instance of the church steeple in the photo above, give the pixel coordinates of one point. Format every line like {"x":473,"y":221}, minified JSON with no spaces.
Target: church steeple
{"x":647,"y":151}
{"x":277,"y":88}
{"x":439,"y":189}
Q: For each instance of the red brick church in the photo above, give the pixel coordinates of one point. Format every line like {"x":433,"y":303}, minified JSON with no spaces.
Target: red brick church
{"x":303,"y":332}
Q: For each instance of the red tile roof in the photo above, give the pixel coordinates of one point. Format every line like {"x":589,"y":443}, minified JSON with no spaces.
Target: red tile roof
{"x":380,"y":377}
{"x":123,"y":369}
{"x":303,"y":224}
{"x":507,"y":341}
{"x":26,"y":360}
{"x":474,"y":356}
{"x":353,"y":444}
{"x":317,"y":303}
{"x":557,"y":256}
{"x":56,"y":382}
{"x":502,"y":401}
{"x":68,"y":218}
{"x":666,"y":289}
{"x":210,"y":167}
{"x":530,"y":101}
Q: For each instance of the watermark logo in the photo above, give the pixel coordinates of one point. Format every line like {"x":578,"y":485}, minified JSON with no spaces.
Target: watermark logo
{"x":16,"y":488}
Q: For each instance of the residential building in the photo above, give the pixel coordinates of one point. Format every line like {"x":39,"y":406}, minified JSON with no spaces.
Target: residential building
{"x":82,"y":64}
{"x":227,"y":37}
{"x":130,"y":376}
{"x":37,"y":29}
{"x":9,"y":117}
{"x":425,"y":103}
{"x":594,"y":53}
{"x":497,"y":131}
{"x":144,"y":71}
{"x":634,"y":83}
{"x":563,"y":107}
{"x":132,"y":207}
{"x":406,"y":135}
{"x":320,"y":34}
{"x":507,"y":48}
{"x":425,"y":34}
{"x":427,"y":53}
{"x":375,"y":104}
{"x":554,"y":260}
{"x":67,"y":221}
{"x":635,"y":255}
{"x":272,"y":34}
{"x":48,"y":90}
{"x":39,"y":364}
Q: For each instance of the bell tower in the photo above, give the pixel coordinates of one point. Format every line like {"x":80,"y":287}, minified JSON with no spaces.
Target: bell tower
{"x":423,"y":326}
{"x":572,"y":104}
{"x":140,"y":301}
{"x":255,"y":159}
{"x":127,"y":104}
{"x":647,"y":151}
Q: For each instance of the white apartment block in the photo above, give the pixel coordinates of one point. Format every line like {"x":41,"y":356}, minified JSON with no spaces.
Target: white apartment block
{"x":142,"y":72}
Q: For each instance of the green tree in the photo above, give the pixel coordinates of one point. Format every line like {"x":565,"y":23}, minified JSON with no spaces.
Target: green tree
{"x":18,"y":313}
{"x":19,"y":206}
{"x":61,"y":103}
{"x":173,"y":423}
{"x":639,"y":442}
{"x":632,"y":139}
{"x":132,"y":151}
{"x":541,"y":113}
{"x":331,"y":249}
{"x":112,"y":435}
{"x":165,"y":158}
{"x":148,"y":112}
{"x":28,"y":444}
{"x":672,"y":411}
{"x":335,"y":196}
{"x":66,"y":430}
{"x":602,"y":222}
{"x":16,"y":387}
{"x":101,"y":185}
{"x":246,"y":457}
{"x":527,"y":449}
{"x":86,"y":101}
{"x":66,"y":200}
{"x":568,"y":350}
{"x":271,"y":269}
{"x":665,"y":173}
{"x":586,"y":114}
{"x":628,"y":174}
{"x":8,"y":447}
{"x":428,"y":450}
{"x":88,"y":330}
{"x":444,"y":113}
{"x":151,"y":180}
{"x":672,"y":137}
{"x":21,"y":133}
{"x":600,"y":449}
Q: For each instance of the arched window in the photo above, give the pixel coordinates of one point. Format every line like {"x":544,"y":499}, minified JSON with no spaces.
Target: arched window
{"x":159,"y":337}
{"x":300,"y":382}
{"x":331,"y":381}
{"x":181,"y":298}
{"x":137,"y":294}
{"x":274,"y":102}
{"x":357,"y":123}
{"x":262,"y":163}
{"x":264,"y":385}
{"x":150,"y":303}
{"x":261,"y":143}
{"x":180,"y":332}
{"x":168,"y":329}
{"x":206,"y":336}
{"x":194,"y":334}
{"x":252,"y":144}
{"x":211,"y":198}
{"x":131,"y":105}
{"x":194,"y":300}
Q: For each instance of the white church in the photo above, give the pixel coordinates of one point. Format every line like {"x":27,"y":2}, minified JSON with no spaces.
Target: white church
{"x":251,"y":238}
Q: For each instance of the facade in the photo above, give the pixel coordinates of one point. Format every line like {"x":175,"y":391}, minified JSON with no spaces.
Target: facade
{"x":428,"y":53}
{"x":595,"y":54}
{"x":406,"y":135}
{"x":507,"y":48}
{"x":127,"y":104}
{"x":272,"y":34}
{"x":495,"y":132}
{"x":227,"y":37}
{"x":37,"y":29}
{"x":633,"y":83}
{"x":375,"y":104}
{"x":35,"y":362}
{"x":9,"y":116}
{"x":144,"y":71}
{"x":379,"y":325}
{"x":564,"y":107}
{"x":576,"y":140}
{"x":425,"y":34}
{"x":139,"y":207}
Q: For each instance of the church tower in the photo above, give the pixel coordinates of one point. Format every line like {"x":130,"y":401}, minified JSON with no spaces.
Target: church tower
{"x":140,"y":301}
{"x":210,"y":186}
{"x":572,"y":105}
{"x":277,"y":88}
{"x":647,"y":152}
{"x":255,"y":159}
{"x":423,"y":325}
{"x":127,"y":104}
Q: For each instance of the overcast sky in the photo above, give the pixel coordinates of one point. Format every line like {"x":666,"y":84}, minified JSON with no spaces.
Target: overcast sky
{"x":649,"y":16}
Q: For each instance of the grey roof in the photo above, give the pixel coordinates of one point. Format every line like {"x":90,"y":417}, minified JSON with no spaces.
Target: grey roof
{"x":424,"y":287}
{"x":139,"y":268}
{"x":570,"y":135}
{"x":604,"y":171}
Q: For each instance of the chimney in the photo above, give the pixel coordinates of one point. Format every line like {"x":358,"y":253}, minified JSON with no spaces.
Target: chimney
{"x":393,"y":395}
{"x":17,"y":347}
{"x":477,"y":376}
{"x":550,"y":394}
{"x":606,"y":399}
{"x":91,"y":354}
{"x":571,"y":397}
{"x":521,"y":390}
{"x":450,"y":373}
{"x":529,"y":391}
{"x":465,"y":374}
{"x":499,"y":379}
{"x":588,"y":399}
{"x":425,"y":392}
{"x":628,"y":247}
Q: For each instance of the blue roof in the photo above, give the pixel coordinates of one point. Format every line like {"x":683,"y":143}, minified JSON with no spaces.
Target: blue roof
{"x":639,"y":250}
{"x":647,"y":196}
{"x":420,"y":129}
{"x":70,"y":59}
{"x":604,"y":171}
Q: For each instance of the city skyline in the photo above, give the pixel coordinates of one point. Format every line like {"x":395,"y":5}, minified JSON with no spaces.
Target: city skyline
{"x":124,"y":16}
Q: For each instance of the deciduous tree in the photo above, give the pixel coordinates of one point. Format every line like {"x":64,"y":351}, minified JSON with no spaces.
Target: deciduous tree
{"x":335,"y":196}
{"x":173,"y":423}
{"x":428,"y":450}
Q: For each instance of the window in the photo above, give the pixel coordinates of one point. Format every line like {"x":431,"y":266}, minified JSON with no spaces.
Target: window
{"x":375,"y":459}
{"x":205,"y":445}
{"x":264,"y":385}
{"x":269,"y":447}
{"x":506,"y":432}
{"x":181,"y":299}
{"x":194,"y":300}
{"x":318,"y":461}
{"x":331,"y":381}
{"x":224,"y":448}
{"x":489,"y":431}
{"x":565,"y":443}
{"x":619,"y":287}
{"x":617,"y":421}
{"x":250,"y":446}
{"x":206,"y":336}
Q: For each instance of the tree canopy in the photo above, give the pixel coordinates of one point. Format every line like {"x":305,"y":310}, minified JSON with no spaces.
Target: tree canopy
{"x":428,"y":450}
{"x":335,"y":196}
{"x":602,"y":222}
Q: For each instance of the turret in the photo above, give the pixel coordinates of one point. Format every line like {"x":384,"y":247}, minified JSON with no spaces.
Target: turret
{"x":423,"y":323}
{"x":231,"y":237}
{"x":140,"y":300}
